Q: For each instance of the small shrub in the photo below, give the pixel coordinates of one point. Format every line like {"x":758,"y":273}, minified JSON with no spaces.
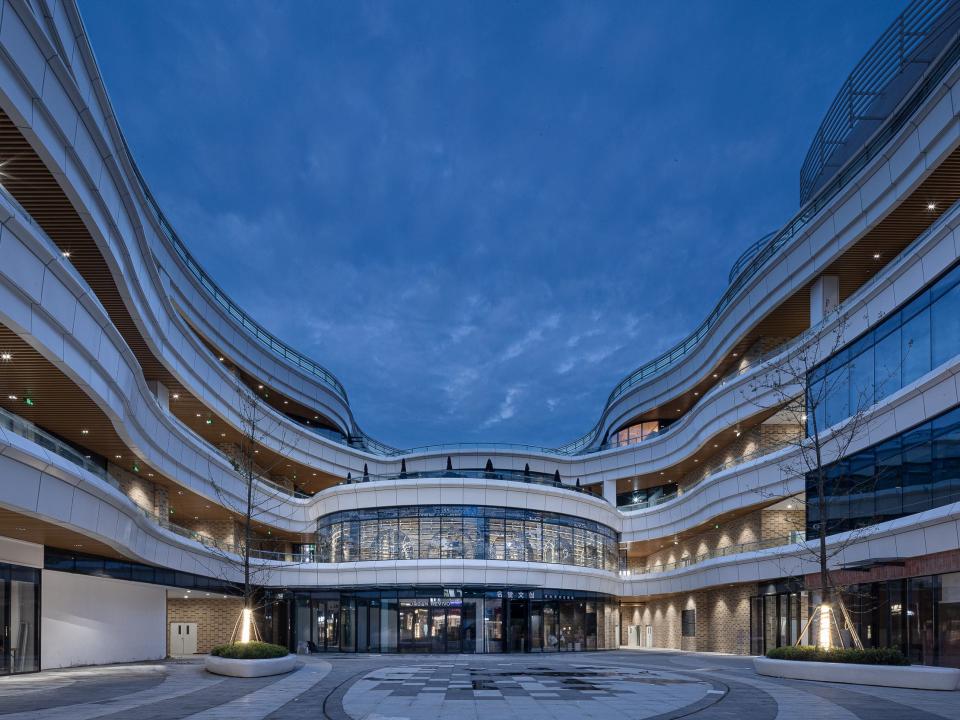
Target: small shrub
{"x":869,"y":656}
{"x":249,"y":651}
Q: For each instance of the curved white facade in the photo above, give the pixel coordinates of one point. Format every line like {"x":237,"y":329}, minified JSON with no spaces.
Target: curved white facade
{"x":716,"y":539}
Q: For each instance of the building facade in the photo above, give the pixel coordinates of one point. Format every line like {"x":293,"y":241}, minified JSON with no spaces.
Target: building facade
{"x":684,"y":518}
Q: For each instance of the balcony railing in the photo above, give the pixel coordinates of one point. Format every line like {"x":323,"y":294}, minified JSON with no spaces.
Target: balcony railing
{"x":762,"y":256}
{"x":519,"y":476}
{"x":794,"y":538}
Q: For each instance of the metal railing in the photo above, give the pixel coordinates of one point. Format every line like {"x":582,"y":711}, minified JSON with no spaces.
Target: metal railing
{"x":261,"y":334}
{"x":519,"y":476}
{"x":781,"y":541}
{"x":886,"y":59}
{"x":763,"y":255}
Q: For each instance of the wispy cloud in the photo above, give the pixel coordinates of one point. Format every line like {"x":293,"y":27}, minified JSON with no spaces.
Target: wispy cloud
{"x":473,"y":227}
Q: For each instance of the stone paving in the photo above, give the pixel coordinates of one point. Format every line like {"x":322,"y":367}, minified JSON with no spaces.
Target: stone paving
{"x":616,"y":685}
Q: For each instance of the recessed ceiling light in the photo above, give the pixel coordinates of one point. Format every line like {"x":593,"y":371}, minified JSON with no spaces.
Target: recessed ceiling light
{"x":66,"y":253}
{"x":789,"y":507}
{"x":11,"y":397}
{"x":78,"y":544}
{"x":117,"y":457}
{"x":84,"y":432}
{"x":198,"y":414}
{"x":149,"y":474}
{"x":284,"y":402}
{"x":176,"y":396}
{"x":5,"y":356}
{"x":221,"y":358}
{"x":179,"y":492}
{"x":734,"y":354}
{"x":259,"y":387}
{"x":931,"y":206}
{"x":876,"y":256}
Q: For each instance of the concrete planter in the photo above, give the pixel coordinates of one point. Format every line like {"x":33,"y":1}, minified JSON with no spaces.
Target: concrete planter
{"x":250,"y":668}
{"x":916,"y":677}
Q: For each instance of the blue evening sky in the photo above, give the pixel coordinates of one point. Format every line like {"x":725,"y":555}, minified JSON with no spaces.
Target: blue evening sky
{"x":479,"y":216}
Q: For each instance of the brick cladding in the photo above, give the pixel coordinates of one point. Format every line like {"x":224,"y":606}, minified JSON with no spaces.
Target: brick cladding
{"x":722,"y":620}
{"x":215,"y":618}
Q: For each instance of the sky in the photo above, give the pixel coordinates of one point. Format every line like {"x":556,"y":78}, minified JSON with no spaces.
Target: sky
{"x":479,"y":216}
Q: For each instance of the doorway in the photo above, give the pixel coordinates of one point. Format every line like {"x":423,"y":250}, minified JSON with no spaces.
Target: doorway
{"x":19,"y":619}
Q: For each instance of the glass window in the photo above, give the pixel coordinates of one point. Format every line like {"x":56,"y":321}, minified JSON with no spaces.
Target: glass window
{"x":945,"y":321}
{"x":948,"y":623}
{"x":533,"y":541}
{"x":430,"y":525}
{"x":915,"y":346}
{"x":688,"y":623}
{"x":514,"y":540}
{"x":409,"y":529}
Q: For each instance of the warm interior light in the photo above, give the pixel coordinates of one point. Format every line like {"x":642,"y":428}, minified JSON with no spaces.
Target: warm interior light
{"x":931,"y":206}
{"x":825,"y":634}
{"x":6,"y":356}
{"x":246,"y":620}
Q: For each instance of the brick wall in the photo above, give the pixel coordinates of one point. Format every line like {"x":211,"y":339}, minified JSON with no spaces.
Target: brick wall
{"x":764,"y":524}
{"x":722,"y":620}
{"x":215,"y":618}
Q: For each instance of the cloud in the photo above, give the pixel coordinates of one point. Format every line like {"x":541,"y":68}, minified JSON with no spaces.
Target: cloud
{"x":506,"y":410}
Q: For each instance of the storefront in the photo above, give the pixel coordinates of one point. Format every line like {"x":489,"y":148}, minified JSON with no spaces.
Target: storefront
{"x":442,"y":620}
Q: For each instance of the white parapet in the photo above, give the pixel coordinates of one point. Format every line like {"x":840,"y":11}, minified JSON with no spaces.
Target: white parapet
{"x":916,"y":677}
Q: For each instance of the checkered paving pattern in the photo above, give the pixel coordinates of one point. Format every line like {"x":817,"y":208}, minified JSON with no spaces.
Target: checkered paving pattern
{"x":531,"y":690}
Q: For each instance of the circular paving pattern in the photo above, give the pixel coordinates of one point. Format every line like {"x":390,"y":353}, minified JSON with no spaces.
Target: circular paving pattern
{"x":528,"y":690}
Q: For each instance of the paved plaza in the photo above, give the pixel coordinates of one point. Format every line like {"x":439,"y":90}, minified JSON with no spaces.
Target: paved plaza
{"x":609,"y":685}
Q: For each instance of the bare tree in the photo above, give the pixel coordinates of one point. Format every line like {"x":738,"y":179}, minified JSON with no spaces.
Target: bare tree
{"x":252,"y":556}
{"x":828,"y":397}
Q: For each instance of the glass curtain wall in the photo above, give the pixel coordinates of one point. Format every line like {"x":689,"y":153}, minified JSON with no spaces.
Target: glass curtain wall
{"x":465,"y":532}
{"x":915,"y":471}
{"x":907,"y":344}
{"x":446,"y":620}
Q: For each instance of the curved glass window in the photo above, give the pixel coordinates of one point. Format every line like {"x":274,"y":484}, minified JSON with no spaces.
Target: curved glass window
{"x":906,"y":345}
{"x":465,"y":532}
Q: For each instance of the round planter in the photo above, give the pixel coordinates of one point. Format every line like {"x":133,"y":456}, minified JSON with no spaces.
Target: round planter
{"x":916,"y":677}
{"x":250,"y":668}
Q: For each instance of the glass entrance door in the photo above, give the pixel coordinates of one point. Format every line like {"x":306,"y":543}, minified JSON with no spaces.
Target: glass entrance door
{"x":454,"y":629}
{"x":438,"y":630}
{"x":4,"y":625}
{"x":518,"y":626}
{"x":19,"y":627}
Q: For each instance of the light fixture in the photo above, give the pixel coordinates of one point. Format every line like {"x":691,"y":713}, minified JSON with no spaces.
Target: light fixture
{"x":117,"y":457}
{"x":209,"y":421}
{"x":11,"y":397}
{"x":259,"y":387}
{"x":715,"y":375}
{"x":66,"y":253}
{"x":245,"y":622}
{"x":198,"y":414}
{"x":285,"y":402}
{"x":84,"y":432}
{"x":931,"y":206}
{"x":28,"y":401}
{"x":6,"y":357}
{"x":876,"y":256}
{"x":734,"y":354}
{"x":176,"y":396}
{"x":789,"y":507}
{"x":825,"y":635}
{"x":221,"y":358}
{"x":737,"y":432}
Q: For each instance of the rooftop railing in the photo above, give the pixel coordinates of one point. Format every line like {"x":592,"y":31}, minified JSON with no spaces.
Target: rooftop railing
{"x":762,"y":256}
{"x":520,"y":476}
{"x":886,"y":59}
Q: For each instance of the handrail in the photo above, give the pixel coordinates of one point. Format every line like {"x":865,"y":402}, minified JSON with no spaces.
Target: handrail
{"x":747,"y":254}
{"x":886,"y":59}
{"x":780,"y":541}
{"x":520,"y":476}
{"x":261,"y":334}
{"x":787,"y":233}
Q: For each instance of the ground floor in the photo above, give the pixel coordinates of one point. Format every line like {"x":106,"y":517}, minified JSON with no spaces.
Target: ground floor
{"x":442,"y":620}
{"x":639,"y":685}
